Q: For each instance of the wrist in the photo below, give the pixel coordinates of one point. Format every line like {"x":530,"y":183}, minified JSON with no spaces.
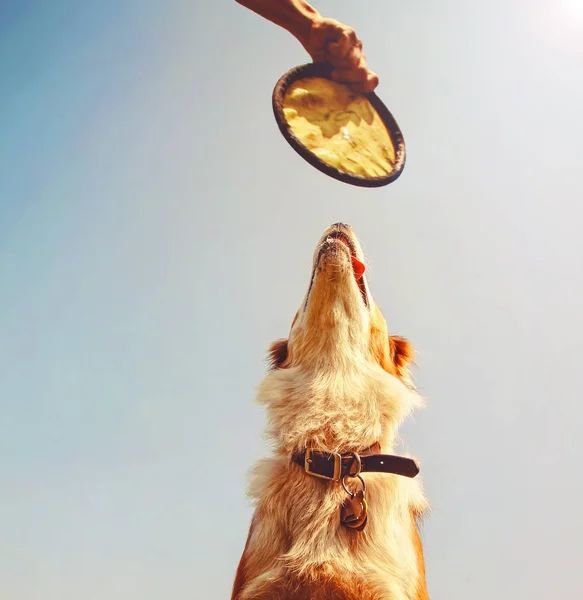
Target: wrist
{"x":307,"y":17}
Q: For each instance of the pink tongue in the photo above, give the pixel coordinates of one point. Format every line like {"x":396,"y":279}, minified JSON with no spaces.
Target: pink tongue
{"x":358,"y":268}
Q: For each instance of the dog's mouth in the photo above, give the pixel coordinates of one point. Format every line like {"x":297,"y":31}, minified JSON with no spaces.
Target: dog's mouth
{"x":358,"y":267}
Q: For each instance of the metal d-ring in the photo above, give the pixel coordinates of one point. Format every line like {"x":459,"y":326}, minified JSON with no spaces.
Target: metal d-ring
{"x":351,"y":494}
{"x":358,"y":462}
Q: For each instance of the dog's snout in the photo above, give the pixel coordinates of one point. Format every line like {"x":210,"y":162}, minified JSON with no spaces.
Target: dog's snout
{"x":341,"y":226}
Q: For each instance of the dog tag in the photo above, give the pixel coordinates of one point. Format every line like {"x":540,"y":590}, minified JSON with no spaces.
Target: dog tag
{"x":353,"y":513}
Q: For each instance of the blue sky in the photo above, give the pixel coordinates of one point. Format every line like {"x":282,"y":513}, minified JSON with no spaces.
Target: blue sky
{"x":156,"y":234}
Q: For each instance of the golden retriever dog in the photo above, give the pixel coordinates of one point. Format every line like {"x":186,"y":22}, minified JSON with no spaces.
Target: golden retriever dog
{"x":334,"y":518}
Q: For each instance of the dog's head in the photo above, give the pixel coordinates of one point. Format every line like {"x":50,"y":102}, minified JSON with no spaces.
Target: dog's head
{"x":338,"y":323}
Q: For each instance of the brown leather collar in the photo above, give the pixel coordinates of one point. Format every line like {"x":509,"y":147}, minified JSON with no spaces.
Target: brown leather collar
{"x":334,"y":467}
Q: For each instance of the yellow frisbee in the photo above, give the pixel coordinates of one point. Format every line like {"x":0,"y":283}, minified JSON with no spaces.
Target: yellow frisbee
{"x":351,"y":137}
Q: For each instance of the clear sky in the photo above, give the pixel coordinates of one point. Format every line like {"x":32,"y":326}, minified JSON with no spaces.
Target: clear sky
{"x":156,"y":234}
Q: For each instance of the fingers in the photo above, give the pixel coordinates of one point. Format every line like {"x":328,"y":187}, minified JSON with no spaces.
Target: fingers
{"x":350,"y":75}
{"x":337,"y":44}
{"x":346,"y":45}
{"x":366,"y":86}
{"x":359,"y":79}
{"x":350,"y":60}
{"x":347,"y":57}
{"x":337,"y":41}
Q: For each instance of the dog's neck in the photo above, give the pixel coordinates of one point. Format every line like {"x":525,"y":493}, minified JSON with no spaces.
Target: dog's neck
{"x":334,"y":340}
{"x":342,"y":403}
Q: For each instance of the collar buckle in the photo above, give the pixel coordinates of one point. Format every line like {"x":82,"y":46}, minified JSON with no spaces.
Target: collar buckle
{"x":336,"y":473}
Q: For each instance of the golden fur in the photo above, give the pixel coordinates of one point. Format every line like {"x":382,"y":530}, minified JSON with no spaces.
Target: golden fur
{"x":339,"y":383}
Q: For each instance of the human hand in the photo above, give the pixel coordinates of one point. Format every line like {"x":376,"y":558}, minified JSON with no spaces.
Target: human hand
{"x":330,"y":41}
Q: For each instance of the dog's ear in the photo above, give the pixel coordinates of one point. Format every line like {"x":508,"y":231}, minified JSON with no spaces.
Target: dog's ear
{"x":402,"y":353}
{"x":278,"y":354}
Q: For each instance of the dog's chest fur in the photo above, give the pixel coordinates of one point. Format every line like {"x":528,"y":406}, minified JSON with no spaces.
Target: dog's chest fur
{"x":297,"y":518}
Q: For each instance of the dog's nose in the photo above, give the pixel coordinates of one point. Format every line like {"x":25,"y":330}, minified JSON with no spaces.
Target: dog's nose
{"x":341,"y":226}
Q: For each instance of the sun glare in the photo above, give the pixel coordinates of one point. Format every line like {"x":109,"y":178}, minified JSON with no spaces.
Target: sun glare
{"x":561,"y":23}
